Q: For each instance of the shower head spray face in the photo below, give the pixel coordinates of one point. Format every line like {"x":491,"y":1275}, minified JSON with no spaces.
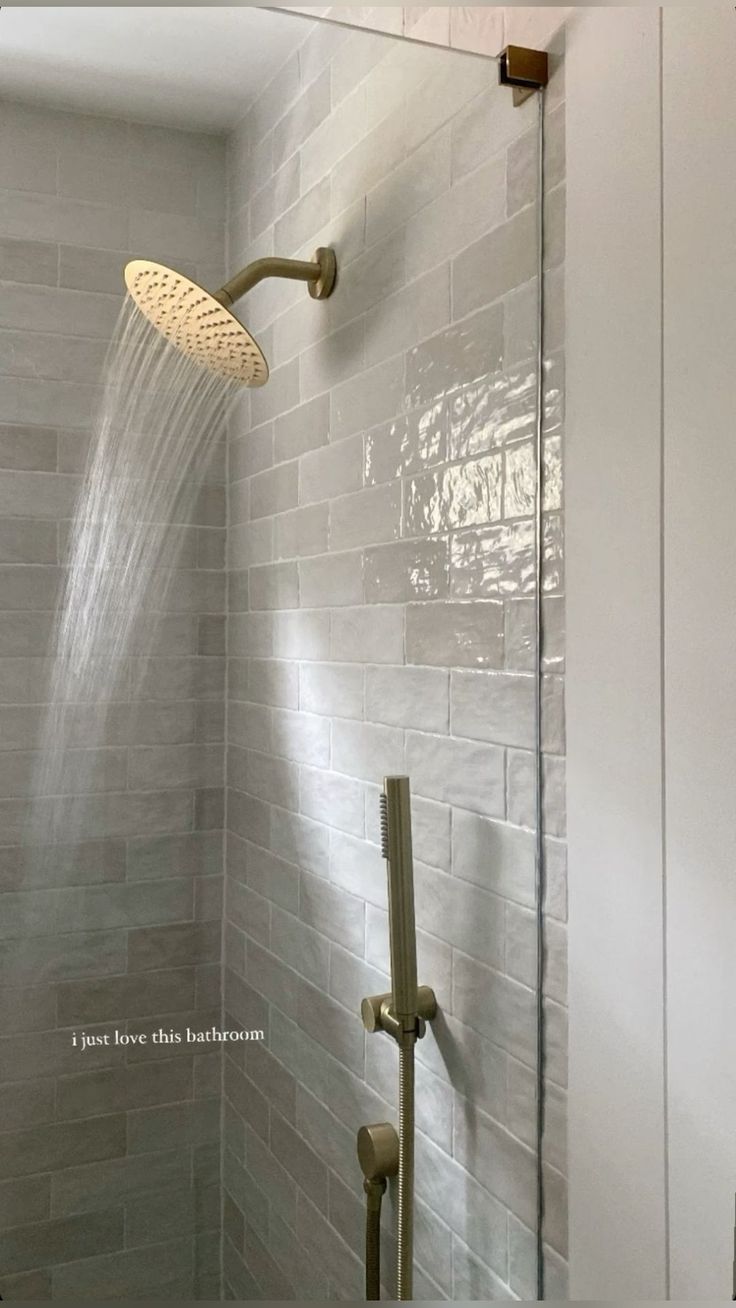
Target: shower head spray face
{"x":195,"y":322}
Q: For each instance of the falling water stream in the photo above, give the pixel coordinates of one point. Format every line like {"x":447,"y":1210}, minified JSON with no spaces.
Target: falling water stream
{"x":160,"y":418}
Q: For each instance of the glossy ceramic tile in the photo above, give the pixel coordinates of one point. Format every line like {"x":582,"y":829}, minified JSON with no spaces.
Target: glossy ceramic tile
{"x":399,"y":637}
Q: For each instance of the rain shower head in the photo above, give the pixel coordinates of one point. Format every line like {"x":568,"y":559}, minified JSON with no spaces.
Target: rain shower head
{"x":200,"y":323}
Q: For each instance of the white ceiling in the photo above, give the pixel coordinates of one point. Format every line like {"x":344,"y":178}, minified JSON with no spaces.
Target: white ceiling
{"x":194,"y":67}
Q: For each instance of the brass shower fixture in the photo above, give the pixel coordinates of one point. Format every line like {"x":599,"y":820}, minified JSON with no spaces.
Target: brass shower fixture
{"x":200,"y":324}
{"x":403,"y":1014}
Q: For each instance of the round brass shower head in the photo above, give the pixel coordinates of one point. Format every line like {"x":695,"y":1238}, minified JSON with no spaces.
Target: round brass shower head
{"x":201,"y":325}
{"x":195,"y":322}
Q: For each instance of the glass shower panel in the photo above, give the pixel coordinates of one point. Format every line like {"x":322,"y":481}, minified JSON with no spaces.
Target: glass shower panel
{"x":383,"y":498}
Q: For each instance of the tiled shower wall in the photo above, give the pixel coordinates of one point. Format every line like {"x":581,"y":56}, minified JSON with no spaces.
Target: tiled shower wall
{"x":109,"y":1165}
{"x":482,"y":29}
{"x":380,"y":620}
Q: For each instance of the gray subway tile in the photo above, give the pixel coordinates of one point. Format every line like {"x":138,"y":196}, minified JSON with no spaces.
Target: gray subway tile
{"x":24,"y":541}
{"x":464,"y":353}
{"x":116,"y":1089}
{"x":61,"y":1239}
{"x":51,"y":1052}
{"x":24,"y":1201}
{"x":335,"y":914}
{"x":498,"y":262}
{"x":46,"y":1148}
{"x":26,"y":448}
{"x":26,"y":1103}
{"x":273,"y":1179}
{"x":370,"y":634}
{"x":408,"y":697}
{"x":464,"y":916}
{"x":174,"y":766}
{"x":460,"y":772}
{"x":105,"y":999}
{"x":156,"y":1218}
{"x":495,"y":855}
{"x":197,"y":853}
{"x":331,"y":1025}
{"x":84,"y":269}
{"x":367,"y":399}
{"x":135,"y":905}
{"x":406,"y":570}
{"x":295,"y":1154}
{"x":182,"y":944}
{"x":90,"y":1187}
{"x":172,"y":1126}
{"x":164,"y":1271}
{"x":304,"y":428}
{"x":29,"y":261}
{"x":55,"y":958}
{"x":367,"y":517}
{"x":472,"y":1279}
{"x":335,"y":800}
{"x":331,"y":471}
{"x":468,"y":1209}
{"x":331,"y":580}
{"x":455,"y":634}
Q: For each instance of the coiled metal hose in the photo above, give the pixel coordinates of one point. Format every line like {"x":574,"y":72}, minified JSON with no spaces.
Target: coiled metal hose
{"x":405,"y":1196}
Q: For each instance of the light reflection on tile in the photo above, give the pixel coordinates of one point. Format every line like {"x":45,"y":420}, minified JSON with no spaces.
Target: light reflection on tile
{"x":492,"y":411}
{"x":552,"y":474}
{"x":454,"y":357}
{"x":409,"y":443}
{"x":407,"y":570}
{"x":520,"y":481}
{"x":463,"y":495}
{"x":496,"y":561}
{"x":554,"y":394}
{"x":553,"y":561}
{"x":499,"y":560}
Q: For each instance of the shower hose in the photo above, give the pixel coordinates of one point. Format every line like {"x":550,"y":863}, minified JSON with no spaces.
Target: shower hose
{"x":374,"y":1186}
{"x":405,"y":1197}
{"x":374,"y":1191}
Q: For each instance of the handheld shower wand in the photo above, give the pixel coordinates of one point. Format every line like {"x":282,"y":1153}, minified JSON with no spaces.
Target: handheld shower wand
{"x":397,"y":851}
{"x":403,"y":1014}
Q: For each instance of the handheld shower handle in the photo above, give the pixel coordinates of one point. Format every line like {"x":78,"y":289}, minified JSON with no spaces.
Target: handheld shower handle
{"x":397,"y":850}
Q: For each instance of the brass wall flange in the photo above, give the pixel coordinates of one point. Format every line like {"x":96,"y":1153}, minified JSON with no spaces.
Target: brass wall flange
{"x":378,"y":1151}
{"x":324,"y":285}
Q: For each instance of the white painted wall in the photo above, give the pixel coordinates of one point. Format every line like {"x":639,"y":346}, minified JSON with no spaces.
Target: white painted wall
{"x":700,"y":638}
{"x":616,"y":1139}
{"x":651,"y":632}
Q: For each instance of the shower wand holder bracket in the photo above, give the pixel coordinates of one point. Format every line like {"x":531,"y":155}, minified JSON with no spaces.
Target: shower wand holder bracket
{"x":377,"y":1014}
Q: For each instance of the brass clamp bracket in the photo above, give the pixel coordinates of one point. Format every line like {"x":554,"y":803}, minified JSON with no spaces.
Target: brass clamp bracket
{"x":525,"y":70}
{"x":378,"y":1015}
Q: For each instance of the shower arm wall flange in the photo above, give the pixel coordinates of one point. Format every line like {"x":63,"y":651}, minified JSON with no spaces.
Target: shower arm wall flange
{"x":320,"y":273}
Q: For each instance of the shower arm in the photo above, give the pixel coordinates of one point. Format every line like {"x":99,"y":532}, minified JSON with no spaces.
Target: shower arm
{"x":319,"y":272}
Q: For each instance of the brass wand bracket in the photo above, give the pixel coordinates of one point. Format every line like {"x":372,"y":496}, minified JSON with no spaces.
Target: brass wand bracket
{"x":378,"y":1015}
